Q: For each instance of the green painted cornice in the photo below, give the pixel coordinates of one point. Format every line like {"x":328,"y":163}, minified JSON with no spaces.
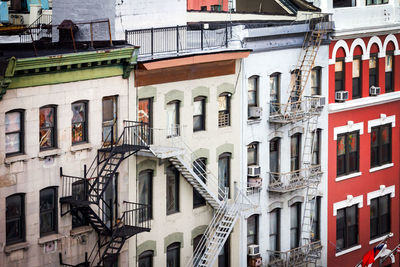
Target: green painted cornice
{"x":55,"y":69}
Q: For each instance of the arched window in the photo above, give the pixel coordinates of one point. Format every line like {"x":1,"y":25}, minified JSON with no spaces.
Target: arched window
{"x":199,"y":114}
{"x":172,"y":190}
{"x":146,"y":258}
{"x":295,"y":152}
{"x":389,"y":67}
{"x":196,"y":243}
{"x":224,"y":106}
{"x":252,"y":229}
{"x":173,"y":118}
{"x":252,"y":154}
{"x":199,"y":168}
{"x":316,"y":81}
{"x":173,"y":255}
{"x":224,"y":172}
{"x":252,"y":98}
{"x":374,"y":66}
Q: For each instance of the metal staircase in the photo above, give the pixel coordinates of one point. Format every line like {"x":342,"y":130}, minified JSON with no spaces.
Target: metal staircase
{"x":85,"y":196}
{"x":307,"y":109}
{"x":40,"y":28}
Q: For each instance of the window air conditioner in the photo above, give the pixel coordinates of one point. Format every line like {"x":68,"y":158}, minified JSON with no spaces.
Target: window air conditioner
{"x":255,"y":112}
{"x":253,"y":170}
{"x":341,"y":95}
{"x":318,"y":101}
{"x":253,"y":250}
{"x":374,"y":91}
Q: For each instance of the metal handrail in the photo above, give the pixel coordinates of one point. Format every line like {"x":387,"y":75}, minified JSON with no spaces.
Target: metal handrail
{"x":288,"y":181}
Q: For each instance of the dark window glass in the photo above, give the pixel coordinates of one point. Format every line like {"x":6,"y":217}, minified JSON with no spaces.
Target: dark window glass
{"x":316,"y":227}
{"x":380,"y":216}
{"x":48,"y":211}
{"x":295,"y":211}
{"x":199,"y":114}
{"x":215,"y":7}
{"x":48,"y":128}
{"x":252,"y":91}
{"x":172,"y":190}
{"x":373,"y":70}
{"x":274,"y":155}
{"x":14,"y":130}
{"x":79,"y":123}
{"x":203,"y":8}
{"x":343,"y":3}
{"x":274,"y":96}
{"x":252,"y":154}
{"x":224,"y":107}
{"x":173,"y":118}
{"x":146,"y":259}
{"x":347,"y":227}
{"x":199,"y":168}
{"x":224,"y":172}
{"x":15,"y":219}
{"x":316,"y":81}
{"x":339,"y":75}
{"x":146,"y":193}
{"x":196,"y":243}
{"x":252,"y":230}
{"x":389,"y":81}
{"x":295,"y":152}
{"x":381,"y":145}
{"x":357,"y":78}
{"x":173,"y":255}
{"x":109,"y":118}
{"x":78,"y":218}
{"x":316,"y":156}
{"x":295,"y":83}
{"x":376,"y":2}
{"x":224,"y":255}
{"x":274,"y":230}
{"x":347,"y":153}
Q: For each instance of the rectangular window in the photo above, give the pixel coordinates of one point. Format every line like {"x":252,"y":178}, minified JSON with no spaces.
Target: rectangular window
{"x":48,"y":128}
{"x":316,"y":81}
{"x":274,"y":84}
{"x":274,"y":230}
{"x":389,"y":84}
{"x":203,"y":8}
{"x":224,"y":118}
{"x":252,"y":230}
{"x":109,"y":124}
{"x":316,"y":154}
{"x":373,"y":70}
{"x":145,"y":114}
{"x":381,"y":145}
{"x":380,"y":216}
{"x":376,"y":2}
{"x":199,"y":114}
{"x":14,"y":130}
{"x":79,"y":123}
{"x":172,"y":190}
{"x":173,"y":255}
{"x":295,"y":152}
{"x":173,"y":118}
{"x":15,"y":219}
{"x":316,"y":215}
{"x":347,"y":153}
{"x":339,"y":75}
{"x":252,"y":93}
{"x":48,"y":211}
{"x":146,"y":193}
{"x":199,"y":168}
{"x":215,"y":7}
{"x":295,"y":213}
{"x":343,"y":3}
{"x":274,"y":155}
{"x":356,"y":78}
{"x":295,"y":83}
{"x":347,"y":227}
{"x":19,"y":5}
{"x":252,"y":154}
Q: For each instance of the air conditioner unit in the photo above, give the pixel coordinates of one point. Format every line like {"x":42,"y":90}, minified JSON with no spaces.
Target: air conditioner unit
{"x":254,"y":182}
{"x":374,"y":91}
{"x":341,"y":95}
{"x":255,"y":112}
{"x":253,"y":250}
{"x":318,"y":101}
{"x":253,"y":170}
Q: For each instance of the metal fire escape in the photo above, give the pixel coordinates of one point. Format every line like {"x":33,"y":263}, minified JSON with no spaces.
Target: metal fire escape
{"x":305,"y":109}
{"x":85,"y":197}
{"x":226,"y":211}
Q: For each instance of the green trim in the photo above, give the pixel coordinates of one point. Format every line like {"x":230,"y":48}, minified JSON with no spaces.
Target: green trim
{"x":226,"y":88}
{"x":223,"y":149}
{"x":202,"y":153}
{"x":172,"y":238}
{"x":201,"y":91}
{"x":147,"y":164}
{"x":66,"y":76}
{"x":174,"y":95}
{"x":148,"y":92}
{"x":6,"y":80}
{"x":199,"y":230}
{"x":147,"y":245}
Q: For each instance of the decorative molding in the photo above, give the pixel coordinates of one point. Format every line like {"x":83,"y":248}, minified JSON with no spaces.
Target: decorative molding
{"x":148,"y":92}
{"x":147,"y":164}
{"x":350,"y":127}
{"x":147,"y":245}
{"x":350,"y":201}
{"x":202,"y":153}
{"x":174,"y":95}
{"x":295,"y":199}
{"x":381,"y":121}
{"x":358,"y":42}
{"x":275,"y":205}
{"x":223,"y":149}
{"x":392,"y":38}
{"x":275,"y":134}
{"x":295,"y":130}
{"x":199,"y":230}
{"x":339,"y":44}
{"x":201,"y":91}
{"x":226,"y":88}
{"x":383,"y":190}
{"x":173,"y":238}
{"x":374,"y":40}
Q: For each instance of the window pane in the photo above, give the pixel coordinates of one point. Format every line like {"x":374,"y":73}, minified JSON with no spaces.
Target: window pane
{"x":385,"y":135}
{"x":171,"y":115}
{"x":172,"y":190}
{"x":144,"y":110}
{"x":145,"y":192}
{"x":78,"y":112}
{"x":46,"y":117}
{"x":389,"y":63}
{"x":251,"y":230}
{"x":252,"y":91}
{"x":341,"y":150}
{"x":78,"y":134}
{"x":173,"y":256}
{"x":222,"y":103}
{"x":340,"y":229}
{"x":252,"y":98}
{"x":108,"y":109}
{"x":13,"y":122}
{"x":197,"y":108}
{"x":13,"y":143}
{"x":352,"y":141}
{"x":46,"y":138}
{"x":356,"y":68}
{"x":338,"y":66}
{"x":372,"y":62}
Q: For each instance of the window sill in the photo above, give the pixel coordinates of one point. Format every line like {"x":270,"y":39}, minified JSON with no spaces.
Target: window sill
{"x":385,"y":166}
{"x":349,"y":176}
{"x":49,"y":153}
{"x":11,"y":248}
{"x":347,"y":250}
{"x":81,"y":230}
{"x":12,"y":159}
{"x":80,"y":147}
{"x":49,"y":238}
{"x":377,"y":239}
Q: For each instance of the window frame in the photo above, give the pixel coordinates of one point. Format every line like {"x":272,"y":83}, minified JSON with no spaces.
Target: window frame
{"x":346,"y":170}
{"x":19,"y":219}
{"x":176,"y":130}
{"x":202,"y":116}
{"x":296,"y":88}
{"x":340,"y":75}
{"x":275,"y":81}
{"x":375,"y":2}
{"x":21,"y":132}
{"x":316,"y":154}
{"x":110,"y":123}
{"x":141,"y":113}
{"x":252,"y":148}
{"x":224,"y":115}
{"x":296,"y":228}
{"x":225,"y":156}
{"x":254,"y":236}
{"x":53,"y":128}
{"x":148,"y":254}
{"x":391,"y":89}
{"x":254,"y":90}
{"x":316,"y":88}
{"x":316,"y":226}
{"x":278,"y":229}
{"x":378,"y":218}
{"x":343,"y":5}
{"x":199,"y":200}
{"x":85,"y":138}
{"x":296,"y":158}
{"x":172,"y":172}
{"x":373,"y":72}
{"x":357,"y":79}
{"x":144,"y":175}
{"x":380,"y":146}
{"x":53,"y":212}
{"x":346,"y":228}
{"x":174,"y":247}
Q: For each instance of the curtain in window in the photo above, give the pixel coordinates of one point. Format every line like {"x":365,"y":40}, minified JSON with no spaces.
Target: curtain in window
{"x":78,"y":122}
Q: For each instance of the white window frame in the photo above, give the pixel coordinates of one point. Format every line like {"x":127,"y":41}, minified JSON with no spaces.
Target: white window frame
{"x":382,"y":121}
{"x":350,"y":127}
{"x":350,"y":201}
{"x":383,"y":191}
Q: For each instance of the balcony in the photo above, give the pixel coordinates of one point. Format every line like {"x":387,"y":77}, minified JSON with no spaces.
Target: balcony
{"x":294,"y":180}
{"x":309,"y":253}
